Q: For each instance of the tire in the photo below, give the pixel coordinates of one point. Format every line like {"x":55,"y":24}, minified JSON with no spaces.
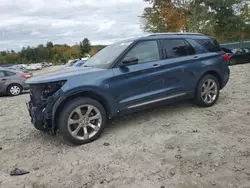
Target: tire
{"x":232,"y":62}
{"x":14,"y":90}
{"x":202,"y":90}
{"x":80,"y":110}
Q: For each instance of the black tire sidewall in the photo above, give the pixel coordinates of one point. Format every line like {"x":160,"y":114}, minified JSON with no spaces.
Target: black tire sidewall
{"x":198,"y":97}
{"x":232,"y":62}
{"x":8,"y":89}
{"x":66,"y":111}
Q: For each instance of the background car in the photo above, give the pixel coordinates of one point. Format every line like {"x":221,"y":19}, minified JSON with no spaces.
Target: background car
{"x":240,"y":56}
{"x":78,"y":63}
{"x":19,"y":68}
{"x":71,"y":62}
{"x":36,"y":66}
{"x":45,"y":64}
{"x":12,"y":82}
{"x":229,"y":52}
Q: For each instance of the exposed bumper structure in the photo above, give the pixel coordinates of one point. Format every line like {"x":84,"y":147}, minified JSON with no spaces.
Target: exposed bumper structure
{"x":41,"y":109}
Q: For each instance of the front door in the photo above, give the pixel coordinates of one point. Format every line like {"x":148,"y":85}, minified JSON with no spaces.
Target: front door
{"x":136,"y":84}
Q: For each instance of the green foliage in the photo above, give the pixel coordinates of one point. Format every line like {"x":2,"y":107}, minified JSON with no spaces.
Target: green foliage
{"x":227,"y":20}
{"x":50,"y":52}
{"x":85,"y":47}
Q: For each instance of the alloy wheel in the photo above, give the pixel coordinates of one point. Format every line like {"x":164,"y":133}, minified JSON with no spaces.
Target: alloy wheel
{"x":84,"y":122}
{"x":209,"y":91}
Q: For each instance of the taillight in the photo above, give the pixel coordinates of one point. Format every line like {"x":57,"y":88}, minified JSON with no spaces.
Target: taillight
{"x":226,"y":57}
{"x":25,"y":76}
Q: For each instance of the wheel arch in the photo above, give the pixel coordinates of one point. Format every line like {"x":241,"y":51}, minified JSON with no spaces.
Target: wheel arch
{"x":213,"y":73}
{"x":90,"y":94}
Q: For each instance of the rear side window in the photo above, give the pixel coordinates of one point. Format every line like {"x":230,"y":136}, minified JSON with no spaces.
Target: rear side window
{"x":8,"y":73}
{"x":173,"y":48}
{"x":210,"y":45}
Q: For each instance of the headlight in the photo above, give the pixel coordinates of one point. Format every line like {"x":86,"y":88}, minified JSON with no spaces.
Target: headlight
{"x":51,"y":88}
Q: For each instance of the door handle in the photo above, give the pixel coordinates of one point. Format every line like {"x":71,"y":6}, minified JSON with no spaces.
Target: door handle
{"x":156,"y":65}
{"x":196,"y":57}
{"x":4,"y":79}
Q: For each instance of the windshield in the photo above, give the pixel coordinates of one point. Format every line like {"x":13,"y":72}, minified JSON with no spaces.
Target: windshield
{"x":107,"y":55}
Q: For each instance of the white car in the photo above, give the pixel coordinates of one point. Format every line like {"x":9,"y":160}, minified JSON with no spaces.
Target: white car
{"x":37,"y":66}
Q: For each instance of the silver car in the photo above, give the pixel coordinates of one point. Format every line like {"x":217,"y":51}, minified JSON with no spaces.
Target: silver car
{"x":12,"y":82}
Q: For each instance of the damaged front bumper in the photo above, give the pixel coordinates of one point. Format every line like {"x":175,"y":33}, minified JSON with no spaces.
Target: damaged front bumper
{"x":41,"y":109}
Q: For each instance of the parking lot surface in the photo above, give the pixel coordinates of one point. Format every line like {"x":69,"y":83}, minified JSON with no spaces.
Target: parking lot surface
{"x":173,"y":146}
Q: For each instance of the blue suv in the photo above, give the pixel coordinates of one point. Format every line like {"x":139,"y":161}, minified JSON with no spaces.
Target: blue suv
{"x":125,"y":77}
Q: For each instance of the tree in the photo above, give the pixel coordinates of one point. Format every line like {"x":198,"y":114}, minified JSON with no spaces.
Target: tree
{"x":166,"y":15}
{"x":58,"y":53}
{"x":92,"y":52}
{"x":85,"y":47}
{"x":227,"y":20}
{"x":49,"y":45}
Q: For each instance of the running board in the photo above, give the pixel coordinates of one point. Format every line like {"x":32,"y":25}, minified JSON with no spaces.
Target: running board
{"x":157,"y":100}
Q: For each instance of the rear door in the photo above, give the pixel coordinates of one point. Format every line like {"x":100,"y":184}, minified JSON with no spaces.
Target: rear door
{"x":142,"y":82}
{"x":179,"y":61}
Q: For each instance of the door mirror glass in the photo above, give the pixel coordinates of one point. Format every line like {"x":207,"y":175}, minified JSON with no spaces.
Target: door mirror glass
{"x":129,"y":61}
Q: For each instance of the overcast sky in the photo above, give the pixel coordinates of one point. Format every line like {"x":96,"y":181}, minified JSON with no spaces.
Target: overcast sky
{"x":33,"y":22}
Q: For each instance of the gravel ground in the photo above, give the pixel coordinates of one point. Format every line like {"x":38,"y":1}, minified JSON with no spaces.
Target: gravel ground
{"x":179,"y":145}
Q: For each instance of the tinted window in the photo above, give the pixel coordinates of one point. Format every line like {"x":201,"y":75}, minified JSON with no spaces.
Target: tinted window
{"x":8,"y":73}
{"x":1,"y":74}
{"x":176,"y":48}
{"x":210,"y":45}
{"x":190,"y":49}
{"x":146,"y":51}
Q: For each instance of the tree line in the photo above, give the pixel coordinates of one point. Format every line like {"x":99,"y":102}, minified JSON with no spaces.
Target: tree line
{"x":55,"y":53}
{"x":227,"y":20}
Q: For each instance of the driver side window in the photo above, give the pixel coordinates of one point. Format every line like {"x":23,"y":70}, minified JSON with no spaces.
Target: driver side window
{"x":146,"y":51}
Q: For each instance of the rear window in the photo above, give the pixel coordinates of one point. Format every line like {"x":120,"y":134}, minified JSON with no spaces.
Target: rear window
{"x":210,"y":45}
{"x":173,"y":48}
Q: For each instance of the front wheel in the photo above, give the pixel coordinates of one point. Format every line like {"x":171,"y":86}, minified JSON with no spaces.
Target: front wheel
{"x":207,"y":91}
{"x":82,"y":120}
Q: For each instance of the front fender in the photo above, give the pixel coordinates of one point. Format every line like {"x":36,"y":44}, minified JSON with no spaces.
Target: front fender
{"x":64,"y":95}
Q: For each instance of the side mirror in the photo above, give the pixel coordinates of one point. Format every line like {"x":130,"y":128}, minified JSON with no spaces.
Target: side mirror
{"x":129,"y":61}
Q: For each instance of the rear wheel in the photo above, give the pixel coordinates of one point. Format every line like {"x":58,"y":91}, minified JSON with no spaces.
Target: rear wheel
{"x":232,"y":62}
{"x":207,"y":91}
{"x":82,"y":120}
{"x":14,"y":90}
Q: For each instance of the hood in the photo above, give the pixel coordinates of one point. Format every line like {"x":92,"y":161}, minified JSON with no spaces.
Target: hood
{"x":62,"y":74}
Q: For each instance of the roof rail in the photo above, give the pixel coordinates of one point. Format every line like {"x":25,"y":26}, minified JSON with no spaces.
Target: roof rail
{"x":176,"y":33}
